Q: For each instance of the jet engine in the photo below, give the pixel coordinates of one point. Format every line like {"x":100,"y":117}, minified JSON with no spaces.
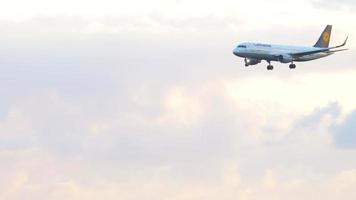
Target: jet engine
{"x":251,"y":61}
{"x":285,"y":58}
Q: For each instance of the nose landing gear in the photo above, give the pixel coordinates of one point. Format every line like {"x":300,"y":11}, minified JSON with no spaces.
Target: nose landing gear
{"x":246,"y":62}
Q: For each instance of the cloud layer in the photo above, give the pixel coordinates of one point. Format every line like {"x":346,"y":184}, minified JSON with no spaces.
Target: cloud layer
{"x":157,"y":107}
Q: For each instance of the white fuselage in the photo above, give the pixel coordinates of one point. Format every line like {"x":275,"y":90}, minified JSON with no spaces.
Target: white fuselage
{"x":268,"y":52}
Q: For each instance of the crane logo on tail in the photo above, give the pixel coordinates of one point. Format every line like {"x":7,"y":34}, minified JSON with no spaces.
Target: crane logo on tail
{"x":326,"y":36}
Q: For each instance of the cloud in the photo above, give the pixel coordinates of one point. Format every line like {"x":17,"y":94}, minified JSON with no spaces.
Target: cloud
{"x":332,"y":111}
{"x":332,"y":5}
{"x":169,"y":8}
{"x":111,"y":106}
{"x":344,"y":133}
{"x":270,"y":185}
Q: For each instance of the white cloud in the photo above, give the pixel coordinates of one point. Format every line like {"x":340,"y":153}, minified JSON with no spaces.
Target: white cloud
{"x":108,"y":106}
{"x":271,"y":185}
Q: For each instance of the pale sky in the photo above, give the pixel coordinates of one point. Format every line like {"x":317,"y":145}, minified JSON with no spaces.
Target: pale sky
{"x":142,"y":100}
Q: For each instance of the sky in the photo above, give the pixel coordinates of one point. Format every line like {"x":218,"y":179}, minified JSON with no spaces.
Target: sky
{"x":142,"y":100}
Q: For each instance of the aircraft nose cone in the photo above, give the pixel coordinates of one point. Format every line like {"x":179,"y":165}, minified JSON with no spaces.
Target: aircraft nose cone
{"x":236,"y":51}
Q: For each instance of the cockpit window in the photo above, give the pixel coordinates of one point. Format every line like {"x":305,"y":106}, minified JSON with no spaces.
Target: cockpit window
{"x":241,"y":46}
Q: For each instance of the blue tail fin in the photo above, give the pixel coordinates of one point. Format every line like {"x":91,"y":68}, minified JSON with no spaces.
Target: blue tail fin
{"x":324,"y":39}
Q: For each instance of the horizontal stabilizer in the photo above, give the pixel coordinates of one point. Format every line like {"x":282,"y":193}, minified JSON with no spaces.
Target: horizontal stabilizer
{"x":338,"y":50}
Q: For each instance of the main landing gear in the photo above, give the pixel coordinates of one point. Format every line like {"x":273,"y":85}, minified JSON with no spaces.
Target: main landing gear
{"x":269,"y":67}
{"x":292,"y":66}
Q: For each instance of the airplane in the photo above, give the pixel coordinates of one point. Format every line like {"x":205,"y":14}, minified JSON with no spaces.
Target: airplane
{"x":254,"y":53}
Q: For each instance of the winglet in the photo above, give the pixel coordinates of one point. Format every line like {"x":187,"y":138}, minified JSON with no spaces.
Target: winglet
{"x":343,"y":44}
{"x":345,"y":41}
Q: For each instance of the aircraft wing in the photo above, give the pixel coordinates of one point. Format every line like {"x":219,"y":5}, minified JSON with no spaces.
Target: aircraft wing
{"x":299,"y":54}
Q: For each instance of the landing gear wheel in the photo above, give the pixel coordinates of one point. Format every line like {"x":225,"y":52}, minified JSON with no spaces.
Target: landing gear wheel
{"x":292,"y":66}
{"x":270,"y":67}
{"x":246,"y":62}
